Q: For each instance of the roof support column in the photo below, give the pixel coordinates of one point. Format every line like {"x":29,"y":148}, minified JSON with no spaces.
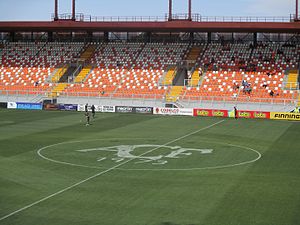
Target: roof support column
{"x":55,"y":10}
{"x":190,"y":10}
{"x":297,"y":16}
{"x":50,"y":36}
{"x":170,"y":10}
{"x":255,"y":39}
{"x":209,"y":37}
{"x":73,"y":10}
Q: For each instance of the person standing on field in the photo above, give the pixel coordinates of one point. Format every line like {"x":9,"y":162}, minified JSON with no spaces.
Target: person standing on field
{"x":93,"y":111}
{"x":87,"y":116}
{"x":235,"y":112}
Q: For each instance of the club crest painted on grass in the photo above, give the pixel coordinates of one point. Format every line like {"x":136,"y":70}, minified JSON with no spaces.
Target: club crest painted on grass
{"x":126,"y":152}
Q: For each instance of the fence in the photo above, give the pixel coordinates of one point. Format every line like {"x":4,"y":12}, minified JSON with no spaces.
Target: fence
{"x":195,"y":17}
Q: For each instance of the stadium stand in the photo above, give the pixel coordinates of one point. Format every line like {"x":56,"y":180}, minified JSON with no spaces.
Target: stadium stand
{"x":262,"y":68}
{"x":33,"y":67}
{"x":147,"y":70}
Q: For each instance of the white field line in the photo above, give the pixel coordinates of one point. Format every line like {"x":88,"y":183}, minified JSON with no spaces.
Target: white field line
{"x":104,"y":172}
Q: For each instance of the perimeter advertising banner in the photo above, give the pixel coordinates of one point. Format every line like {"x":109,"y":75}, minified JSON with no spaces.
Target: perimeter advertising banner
{"x":230,"y":113}
{"x":51,"y":107}
{"x":285,"y":116}
{"x":251,"y":114}
{"x":210,"y":112}
{"x":143,"y":110}
{"x":67,"y":107}
{"x":11,"y":105}
{"x":3,"y":105}
{"x":98,"y":108}
{"x":134,"y":109}
{"x":29,"y":106}
{"x":174,"y":111}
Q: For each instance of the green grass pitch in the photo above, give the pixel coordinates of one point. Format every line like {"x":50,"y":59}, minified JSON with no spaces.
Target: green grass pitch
{"x":129,"y":169}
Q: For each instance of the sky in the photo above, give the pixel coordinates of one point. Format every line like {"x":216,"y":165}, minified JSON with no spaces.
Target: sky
{"x":41,"y":10}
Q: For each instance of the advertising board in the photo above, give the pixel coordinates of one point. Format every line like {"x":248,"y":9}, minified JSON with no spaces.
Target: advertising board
{"x":29,"y":106}
{"x":67,"y":107}
{"x":143,"y":110}
{"x":173,"y":111}
{"x":81,"y":108}
{"x":124,"y":109}
{"x":50,"y":107}
{"x":11,"y":105}
{"x":210,"y":112}
{"x":285,"y":116}
{"x":253,"y":114}
{"x":3,"y":105}
{"x":230,"y":113}
{"x":106,"y":108}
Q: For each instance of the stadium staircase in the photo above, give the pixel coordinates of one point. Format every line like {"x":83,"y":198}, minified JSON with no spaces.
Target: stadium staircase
{"x":195,"y":78}
{"x":83,"y":73}
{"x":292,"y":80}
{"x":57,"y":90}
{"x":86,"y":57}
{"x":88,"y":52}
{"x":168,"y":80}
{"x":59,"y":73}
{"x":174,"y":93}
{"x":194,"y":53}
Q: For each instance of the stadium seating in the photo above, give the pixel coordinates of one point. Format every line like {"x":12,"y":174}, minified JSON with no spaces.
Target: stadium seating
{"x":146,"y":70}
{"x":228,"y":65}
{"x":28,"y":66}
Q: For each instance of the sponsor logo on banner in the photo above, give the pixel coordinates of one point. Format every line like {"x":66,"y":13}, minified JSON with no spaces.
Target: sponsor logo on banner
{"x":11,"y":105}
{"x":107,"y":109}
{"x":202,"y":112}
{"x":244,"y":114}
{"x":143,"y":110}
{"x":50,"y":106}
{"x":253,"y":115}
{"x":230,"y":113}
{"x":166,"y":111}
{"x":261,"y":115}
{"x":220,"y":113}
{"x":210,"y":112}
{"x":81,"y":108}
{"x":67,"y":107}
{"x":174,"y":111}
{"x":3,"y":105}
{"x":30,"y":106}
{"x":124,"y":109}
{"x":285,"y":116}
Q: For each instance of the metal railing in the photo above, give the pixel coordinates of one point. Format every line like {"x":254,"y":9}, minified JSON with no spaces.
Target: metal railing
{"x":195,"y":17}
{"x":112,"y":96}
{"x":190,"y":99}
{"x":227,"y":99}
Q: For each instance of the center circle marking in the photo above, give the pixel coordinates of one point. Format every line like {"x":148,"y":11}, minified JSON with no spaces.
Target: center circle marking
{"x":41,"y":153}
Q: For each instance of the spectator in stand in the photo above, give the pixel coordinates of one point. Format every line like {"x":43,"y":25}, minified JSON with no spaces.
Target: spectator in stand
{"x":200,"y":72}
{"x":247,"y":89}
{"x":273,"y":94}
{"x":236,"y":86}
{"x":189,"y":74}
{"x":296,"y":110}
{"x":265,"y":85}
{"x":245,"y":83}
